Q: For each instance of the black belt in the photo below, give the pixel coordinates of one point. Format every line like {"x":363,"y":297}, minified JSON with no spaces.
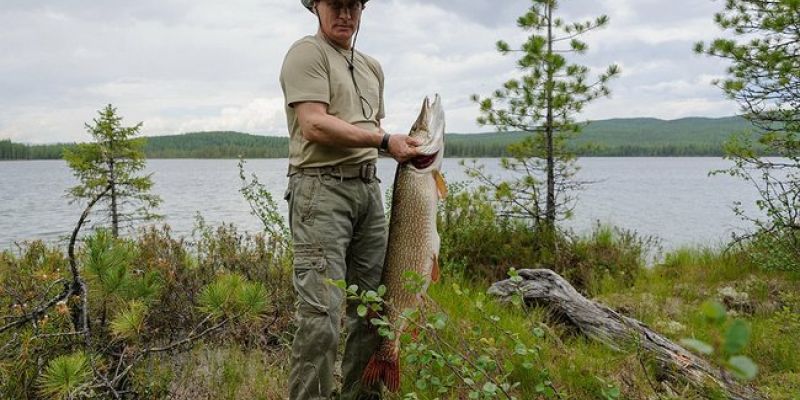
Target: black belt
{"x":366,"y":171}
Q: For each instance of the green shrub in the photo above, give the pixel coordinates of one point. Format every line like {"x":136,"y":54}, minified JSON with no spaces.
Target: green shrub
{"x":476,"y":242}
{"x":36,"y":271}
{"x":480,"y":244}
{"x":67,"y":377}
{"x":608,"y":255}
{"x":145,"y":292}
{"x":776,"y":250}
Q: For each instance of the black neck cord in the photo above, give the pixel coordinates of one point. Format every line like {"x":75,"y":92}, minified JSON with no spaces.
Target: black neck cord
{"x":351,"y":66}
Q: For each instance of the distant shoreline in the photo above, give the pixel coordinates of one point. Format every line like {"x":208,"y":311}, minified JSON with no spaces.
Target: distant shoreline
{"x":643,"y":137}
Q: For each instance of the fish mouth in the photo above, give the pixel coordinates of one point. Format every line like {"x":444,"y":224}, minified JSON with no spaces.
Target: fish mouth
{"x":422,"y":162}
{"x":429,"y":128}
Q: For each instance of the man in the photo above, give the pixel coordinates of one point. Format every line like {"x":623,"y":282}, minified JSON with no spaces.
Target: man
{"x":334,"y":106}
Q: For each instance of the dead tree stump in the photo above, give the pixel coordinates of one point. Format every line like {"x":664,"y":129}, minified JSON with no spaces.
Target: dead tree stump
{"x":545,"y":287}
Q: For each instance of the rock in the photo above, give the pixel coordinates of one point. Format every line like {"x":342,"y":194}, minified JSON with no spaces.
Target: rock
{"x":735,"y":300}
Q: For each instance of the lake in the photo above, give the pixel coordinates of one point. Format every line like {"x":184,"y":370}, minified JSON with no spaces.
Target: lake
{"x":671,"y":198}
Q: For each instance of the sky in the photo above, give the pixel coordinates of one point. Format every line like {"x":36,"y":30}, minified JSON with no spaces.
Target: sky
{"x":198,"y":65}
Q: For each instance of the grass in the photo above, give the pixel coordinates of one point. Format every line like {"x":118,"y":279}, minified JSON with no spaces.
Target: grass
{"x":495,"y":342}
{"x":667,"y":297}
{"x":216,"y":372}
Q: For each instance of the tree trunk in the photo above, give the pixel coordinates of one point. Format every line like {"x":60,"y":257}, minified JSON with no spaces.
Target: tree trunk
{"x":545,"y":287}
{"x":550,"y":210}
{"x":114,"y":212}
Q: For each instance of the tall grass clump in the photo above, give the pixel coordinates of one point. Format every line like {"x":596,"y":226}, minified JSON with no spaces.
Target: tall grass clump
{"x":606,"y":256}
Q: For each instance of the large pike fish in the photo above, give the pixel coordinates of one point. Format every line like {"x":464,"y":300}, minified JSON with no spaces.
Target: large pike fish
{"x":413,"y":238}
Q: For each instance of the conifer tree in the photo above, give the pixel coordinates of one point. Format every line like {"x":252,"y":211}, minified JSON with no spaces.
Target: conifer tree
{"x":764,"y":78}
{"x":543,"y":101}
{"x":114,"y":159}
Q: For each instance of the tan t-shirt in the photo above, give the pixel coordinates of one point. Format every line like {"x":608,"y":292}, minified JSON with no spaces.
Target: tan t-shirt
{"x":314,"y":70}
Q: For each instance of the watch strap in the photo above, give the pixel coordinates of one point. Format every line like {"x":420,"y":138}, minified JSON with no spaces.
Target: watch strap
{"x":384,"y":142}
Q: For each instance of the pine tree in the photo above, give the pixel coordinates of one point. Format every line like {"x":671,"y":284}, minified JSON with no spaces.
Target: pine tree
{"x":764,"y":78}
{"x":543,"y":102}
{"x":113,"y":160}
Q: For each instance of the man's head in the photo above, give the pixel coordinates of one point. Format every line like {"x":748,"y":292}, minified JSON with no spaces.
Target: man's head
{"x":338,"y":19}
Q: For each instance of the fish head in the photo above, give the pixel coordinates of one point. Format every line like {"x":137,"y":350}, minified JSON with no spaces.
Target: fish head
{"x":429,"y":129}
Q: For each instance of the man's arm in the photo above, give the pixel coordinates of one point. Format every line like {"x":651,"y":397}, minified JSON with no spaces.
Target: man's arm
{"x":320,"y":127}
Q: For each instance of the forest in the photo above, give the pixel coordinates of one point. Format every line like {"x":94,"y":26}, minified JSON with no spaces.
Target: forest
{"x":636,"y":137}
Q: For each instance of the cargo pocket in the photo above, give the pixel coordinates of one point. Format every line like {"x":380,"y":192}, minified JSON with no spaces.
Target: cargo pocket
{"x":310,"y":275}
{"x":310,"y":194}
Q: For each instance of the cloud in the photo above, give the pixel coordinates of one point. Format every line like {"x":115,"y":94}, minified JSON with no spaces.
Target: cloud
{"x":184,"y":65}
{"x":260,"y":115}
{"x":484,"y":12}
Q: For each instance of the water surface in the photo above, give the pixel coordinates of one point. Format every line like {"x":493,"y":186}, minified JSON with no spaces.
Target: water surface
{"x":672,"y":198}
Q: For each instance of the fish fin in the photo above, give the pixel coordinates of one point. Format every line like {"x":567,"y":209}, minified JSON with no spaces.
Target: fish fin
{"x":373,"y":372}
{"x":381,"y":370}
{"x":435,"y":273}
{"x":440,"y":184}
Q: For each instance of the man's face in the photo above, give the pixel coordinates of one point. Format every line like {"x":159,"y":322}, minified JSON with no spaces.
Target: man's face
{"x":339,"y":19}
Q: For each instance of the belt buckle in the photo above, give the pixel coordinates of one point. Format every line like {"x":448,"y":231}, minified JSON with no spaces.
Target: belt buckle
{"x":367,"y":172}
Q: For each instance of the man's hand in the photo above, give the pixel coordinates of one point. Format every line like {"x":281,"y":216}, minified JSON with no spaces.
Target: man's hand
{"x":403,"y":147}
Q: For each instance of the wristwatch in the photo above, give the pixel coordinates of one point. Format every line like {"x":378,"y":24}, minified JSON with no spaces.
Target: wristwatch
{"x":384,"y":146}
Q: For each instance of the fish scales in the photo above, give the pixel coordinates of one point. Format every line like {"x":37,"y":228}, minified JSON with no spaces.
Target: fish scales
{"x":415,"y":241}
{"x":413,"y":238}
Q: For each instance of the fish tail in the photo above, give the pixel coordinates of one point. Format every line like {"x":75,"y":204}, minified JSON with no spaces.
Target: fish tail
{"x":380,"y":369}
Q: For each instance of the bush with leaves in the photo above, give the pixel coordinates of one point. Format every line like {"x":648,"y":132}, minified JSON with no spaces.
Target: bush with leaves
{"x":264,"y":207}
{"x":605,"y":254}
{"x":146,"y":295}
{"x":475,"y":241}
{"x":775,"y":250}
{"x":29,"y":276}
{"x":727,"y":341}
{"x":446,"y":357}
{"x":479,"y":243}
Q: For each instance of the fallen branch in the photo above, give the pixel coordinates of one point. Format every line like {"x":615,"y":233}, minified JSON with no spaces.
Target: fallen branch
{"x":75,"y":287}
{"x":545,"y":287}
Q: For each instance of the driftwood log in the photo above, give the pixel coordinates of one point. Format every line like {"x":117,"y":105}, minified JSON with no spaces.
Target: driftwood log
{"x":545,"y":287}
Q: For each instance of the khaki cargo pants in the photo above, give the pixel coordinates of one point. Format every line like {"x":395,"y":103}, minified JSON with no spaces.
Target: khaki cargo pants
{"x":339,"y":232}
